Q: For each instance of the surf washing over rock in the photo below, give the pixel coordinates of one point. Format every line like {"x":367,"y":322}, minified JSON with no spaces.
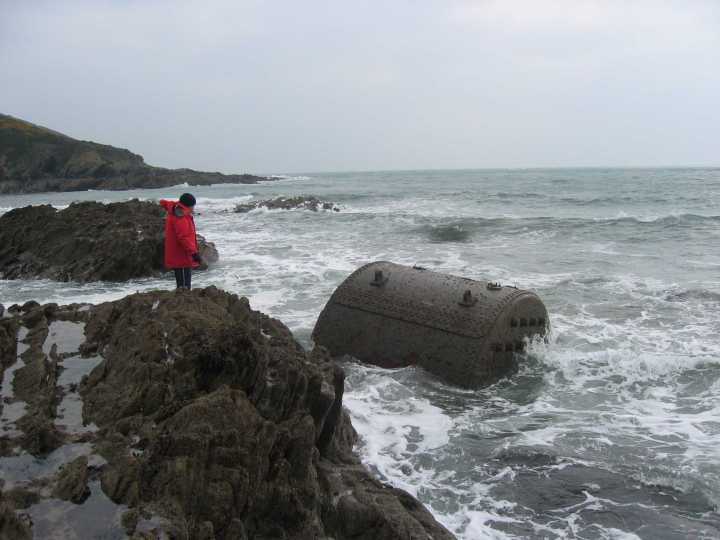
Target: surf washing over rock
{"x":609,"y":430}
{"x":288,"y":203}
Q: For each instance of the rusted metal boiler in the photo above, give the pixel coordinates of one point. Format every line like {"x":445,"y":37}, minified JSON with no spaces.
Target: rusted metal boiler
{"x":467,"y":332}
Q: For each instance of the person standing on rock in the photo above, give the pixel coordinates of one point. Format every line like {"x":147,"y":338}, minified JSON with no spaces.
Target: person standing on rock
{"x":181,"y":247}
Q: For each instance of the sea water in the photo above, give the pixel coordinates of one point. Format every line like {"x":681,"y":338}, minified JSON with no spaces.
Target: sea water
{"x":609,"y":430}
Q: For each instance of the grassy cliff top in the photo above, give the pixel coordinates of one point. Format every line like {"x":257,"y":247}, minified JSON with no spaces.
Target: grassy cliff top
{"x":10,"y":123}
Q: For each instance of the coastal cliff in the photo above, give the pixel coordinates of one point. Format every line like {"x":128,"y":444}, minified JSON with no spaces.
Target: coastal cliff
{"x":183,"y":414}
{"x":37,"y":159}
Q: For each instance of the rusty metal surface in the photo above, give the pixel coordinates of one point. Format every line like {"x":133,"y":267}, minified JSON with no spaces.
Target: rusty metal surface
{"x":465,"y":331}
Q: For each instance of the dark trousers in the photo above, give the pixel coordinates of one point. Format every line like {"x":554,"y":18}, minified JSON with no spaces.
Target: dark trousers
{"x":183,"y":277}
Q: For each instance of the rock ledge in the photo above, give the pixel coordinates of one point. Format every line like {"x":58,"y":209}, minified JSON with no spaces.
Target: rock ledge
{"x":211,"y":422}
{"x":88,"y":241}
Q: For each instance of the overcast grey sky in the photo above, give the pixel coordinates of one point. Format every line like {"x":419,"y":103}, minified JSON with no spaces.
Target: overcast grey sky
{"x":300,"y":86}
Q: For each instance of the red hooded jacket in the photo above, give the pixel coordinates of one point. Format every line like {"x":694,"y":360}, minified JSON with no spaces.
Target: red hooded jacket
{"x":180,"y":236}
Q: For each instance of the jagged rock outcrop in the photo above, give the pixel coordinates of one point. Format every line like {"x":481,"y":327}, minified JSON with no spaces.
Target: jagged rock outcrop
{"x":88,"y":241}
{"x":8,"y":329}
{"x":72,"y":481}
{"x":35,"y":159}
{"x":288,"y":203}
{"x":233,"y":421}
{"x":11,"y":526}
{"x":214,"y":423}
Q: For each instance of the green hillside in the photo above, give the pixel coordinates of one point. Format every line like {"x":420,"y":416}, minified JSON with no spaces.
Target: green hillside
{"x":35,"y":159}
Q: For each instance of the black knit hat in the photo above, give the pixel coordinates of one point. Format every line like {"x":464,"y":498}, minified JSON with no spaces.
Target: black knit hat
{"x":187,"y":199}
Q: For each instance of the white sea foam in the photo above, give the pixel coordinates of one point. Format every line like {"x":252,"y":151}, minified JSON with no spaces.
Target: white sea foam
{"x":394,"y":426}
{"x":210,"y":204}
{"x":628,"y":382}
{"x":277,"y":177}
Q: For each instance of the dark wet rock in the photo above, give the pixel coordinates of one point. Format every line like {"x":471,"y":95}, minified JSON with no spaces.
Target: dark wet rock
{"x":288,"y":203}
{"x":236,"y":529}
{"x":208,"y":252}
{"x":365,"y":508}
{"x":40,"y":434}
{"x":206,"y":531}
{"x":8,"y":343}
{"x":87,"y":241}
{"x":130,"y":520}
{"x":72,"y":481}
{"x":35,"y":159}
{"x":11,"y":526}
{"x":33,"y":318}
{"x":8,"y":356}
{"x":50,"y":309}
{"x":213,"y":423}
{"x":29,"y":306}
{"x":21,"y":497}
{"x":213,"y":416}
{"x":120,"y":480}
{"x":35,"y":384}
{"x":151,"y":535}
{"x":2,"y":311}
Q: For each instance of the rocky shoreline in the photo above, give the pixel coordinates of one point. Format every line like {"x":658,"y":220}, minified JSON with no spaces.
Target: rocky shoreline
{"x":184,"y":414}
{"x":87,"y":241}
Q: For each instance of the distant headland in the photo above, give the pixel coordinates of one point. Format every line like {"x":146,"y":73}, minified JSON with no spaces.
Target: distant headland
{"x":35,"y":159}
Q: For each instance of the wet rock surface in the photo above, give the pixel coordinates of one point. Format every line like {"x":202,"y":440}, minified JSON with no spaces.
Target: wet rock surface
{"x":72,"y":481}
{"x":12,"y":527}
{"x":212,"y":422}
{"x":288,"y":203}
{"x":8,"y":345}
{"x":87,"y":241}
